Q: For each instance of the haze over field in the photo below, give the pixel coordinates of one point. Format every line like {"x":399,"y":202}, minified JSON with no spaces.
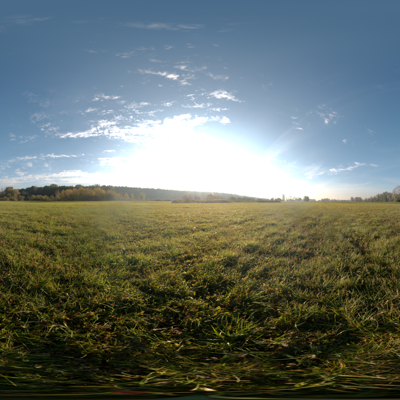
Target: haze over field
{"x":259,"y":99}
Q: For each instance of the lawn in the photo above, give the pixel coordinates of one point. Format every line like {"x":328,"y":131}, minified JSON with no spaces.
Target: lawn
{"x":227,"y":298}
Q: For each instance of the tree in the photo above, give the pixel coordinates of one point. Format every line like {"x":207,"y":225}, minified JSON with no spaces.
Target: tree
{"x":306,"y":198}
{"x":132,"y":197}
{"x":187,"y":198}
{"x":142,"y":196}
{"x":396,"y":193}
{"x":11,"y":193}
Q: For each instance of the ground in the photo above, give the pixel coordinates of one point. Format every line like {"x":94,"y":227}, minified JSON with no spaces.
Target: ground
{"x":261,"y":298}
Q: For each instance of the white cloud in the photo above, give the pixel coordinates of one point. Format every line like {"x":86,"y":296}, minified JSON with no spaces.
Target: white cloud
{"x":19,"y":172}
{"x":344,"y":141}
{"x":34,"y":98}
{"x":166,"y":47}
{"x":219,"y":109}
{"x":29,"y":164}
{"x":167,"y":75}
{"x":297,"y":127}
{"x":327,"y":114}
{"x":225,"y":120}
{"x":74,"y":176}
{"x":58,"y":156}
{"x":109,"y":151}
{"x":143,"y":130}
{"x":105,"y":112}
{"x":371,"y":132}
{"x":48,"y":128}
{"x":181,"y":67}
{"x":102,"y":96}
{"x":222,"y":94}
{"x":154,"y":60}
{"x":25,"y":158}
{"x":90,"y":109}
{"x":192,"y":69}
{"x":127,"y":54}
{"x":168,"y":103}
{"x":160,"y":26}
{"x":38,"y":117}
{"x":111,"y":161}
{"x":218,"y":77}
{"x":202,"y":105}
{"x":25,"y":19}
{"x":356,"y":165}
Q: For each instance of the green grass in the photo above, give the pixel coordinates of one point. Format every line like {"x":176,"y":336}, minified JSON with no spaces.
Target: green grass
{"x":253,"y":298}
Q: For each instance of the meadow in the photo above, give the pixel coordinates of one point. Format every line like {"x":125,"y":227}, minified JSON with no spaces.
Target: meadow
{"x":255,"y":298}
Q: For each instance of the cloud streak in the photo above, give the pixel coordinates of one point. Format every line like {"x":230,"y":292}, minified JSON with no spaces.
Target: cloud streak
{"x":223,"y":94}
{"x":350,"y":168}
{"x":162,"y":26}
{"x":102,"y":96}
{"x":143,"y":130}
{"x":167,"y":75}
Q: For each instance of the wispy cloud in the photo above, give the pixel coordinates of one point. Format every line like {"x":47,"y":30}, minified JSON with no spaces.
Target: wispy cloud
{"x":167,"y":47}
{"x":219,"y":109}
{"x":160,"y":26}
{"x":350,"y":168}
{"x":90,"y":109}
{"x":344,"y":141}
{"x":25,"y":158}
{"x":222,"y":94}
{"x":370,"y":131}
{"x":38,"y":117}
{"x":25,"y":19}
{"x":34,"y":98}
{"x":327,"y":114}
{"x":167,"y":75}
{"x":58,"y":156}
{"x":49,"y":128}
{"x":126,"y":54}
{"x":111,"y":161}
{"x":186,"y":68}
{"x":297,"y":127}
{"x":202,"y":105}
{"x":218,"y":77}
{"x":140,"y":131}
{"x":102,"y":96}
{"x":109,"y":151}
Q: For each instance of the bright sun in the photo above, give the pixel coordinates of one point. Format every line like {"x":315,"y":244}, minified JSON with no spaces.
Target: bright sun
{"x":176,"y":156}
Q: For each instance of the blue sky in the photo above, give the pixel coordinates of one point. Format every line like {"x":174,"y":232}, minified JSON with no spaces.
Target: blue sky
{"x":258,"y":98}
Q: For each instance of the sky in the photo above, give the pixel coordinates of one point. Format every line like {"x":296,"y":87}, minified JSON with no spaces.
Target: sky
{"x":258,"y":98}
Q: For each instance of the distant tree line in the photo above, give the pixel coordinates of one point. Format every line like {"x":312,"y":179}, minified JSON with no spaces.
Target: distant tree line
{"x":77,"y":193}
{"x":218,"y":198}
{"x":54,"y":192}
{"x":381,"y":197}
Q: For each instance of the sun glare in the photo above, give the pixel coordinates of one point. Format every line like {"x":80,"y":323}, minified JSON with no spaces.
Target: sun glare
{"x":176,"y":155}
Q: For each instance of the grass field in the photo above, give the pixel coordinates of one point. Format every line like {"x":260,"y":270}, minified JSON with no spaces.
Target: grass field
{"x":259,"y":298}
